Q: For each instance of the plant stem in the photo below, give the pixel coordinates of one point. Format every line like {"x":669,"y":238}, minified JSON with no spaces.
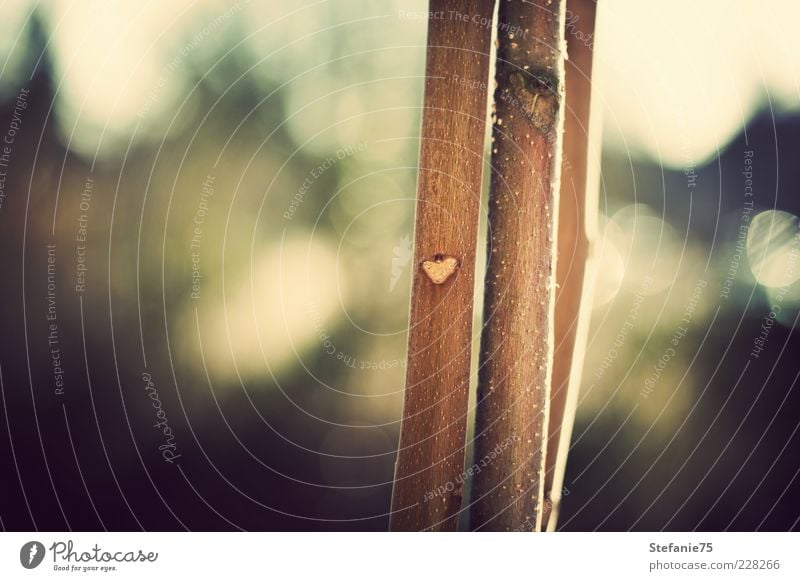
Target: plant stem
{"x":517,"y":340}
{"x":574,"y":228}
{"x":427,"y":487}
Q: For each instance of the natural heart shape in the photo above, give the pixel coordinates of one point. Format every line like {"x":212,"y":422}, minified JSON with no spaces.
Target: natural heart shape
{"x":440,"y":268}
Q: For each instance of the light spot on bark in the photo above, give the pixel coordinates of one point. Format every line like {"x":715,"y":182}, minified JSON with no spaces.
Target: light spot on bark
{"x":440,"y":268}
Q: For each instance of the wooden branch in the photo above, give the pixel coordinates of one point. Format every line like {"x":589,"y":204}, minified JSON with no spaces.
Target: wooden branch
{"x":572,"y":314}
{"x":517,"y":340}
{"x":430,"y":461}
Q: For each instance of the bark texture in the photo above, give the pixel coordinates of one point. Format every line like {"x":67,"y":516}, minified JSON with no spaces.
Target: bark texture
{"x":517,"y":339}
{"x":430,"y":461}
{"x":573,"y":246}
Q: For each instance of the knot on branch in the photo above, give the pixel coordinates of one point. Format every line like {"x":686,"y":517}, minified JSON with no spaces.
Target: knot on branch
{"x":537,"y":96}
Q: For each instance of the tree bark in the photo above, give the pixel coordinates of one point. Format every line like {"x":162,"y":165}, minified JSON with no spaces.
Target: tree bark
{"x":430,"y":460}
{"x":517,"y":340}
{"x":571,"y":315}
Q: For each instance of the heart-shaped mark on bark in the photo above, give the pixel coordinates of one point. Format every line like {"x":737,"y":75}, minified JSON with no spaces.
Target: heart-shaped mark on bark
{"x":440,"y":268}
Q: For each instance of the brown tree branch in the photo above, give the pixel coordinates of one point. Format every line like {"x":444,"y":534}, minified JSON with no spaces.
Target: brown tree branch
{"x":517,"y":340}
{"x":427,"y":487}
{"x":573,"y":247}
